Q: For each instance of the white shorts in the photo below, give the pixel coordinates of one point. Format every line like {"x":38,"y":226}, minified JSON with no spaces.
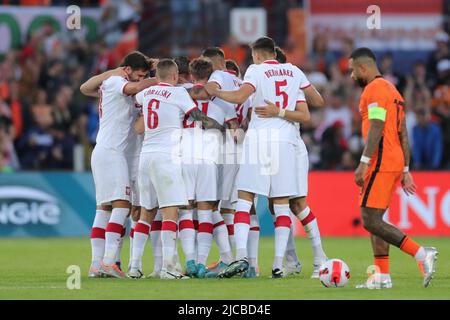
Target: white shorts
{"x":159,"y":173}
{"x":302,"y":169}
{"x":270,"y":170}
{"x":133,"y":165}
{"x":111,"y":175}
{"x":227,"y":181}
{"x":200,"y":180}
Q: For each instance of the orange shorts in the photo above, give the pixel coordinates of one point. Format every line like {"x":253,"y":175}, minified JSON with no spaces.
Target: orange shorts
{"x":378,"y":189}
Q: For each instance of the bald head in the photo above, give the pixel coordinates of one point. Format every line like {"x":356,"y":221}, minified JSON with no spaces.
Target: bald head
{"x":167,"y":71}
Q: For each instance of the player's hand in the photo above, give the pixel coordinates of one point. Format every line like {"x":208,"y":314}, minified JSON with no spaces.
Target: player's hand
{"x":268,"y":111}
{"x":360,"y":173}
{"x":239,"y":135}
{"x":408,"y":185}
{"x":212,"y":89}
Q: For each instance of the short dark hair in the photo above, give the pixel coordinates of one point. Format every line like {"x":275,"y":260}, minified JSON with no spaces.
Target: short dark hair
{"x":200,"y":69}
{"x":163,"y":67}
{"x":137,"y":61}
{"x":183,"y":64}
{"x":281,"y":56}
{"x":213,"y":52}
{"x":363,"y":53}
{"x":232,"y":66}
{"x":264,"y":43}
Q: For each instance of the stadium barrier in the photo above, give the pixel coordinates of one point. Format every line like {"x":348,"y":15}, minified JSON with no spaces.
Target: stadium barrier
{"x":63,"y":204}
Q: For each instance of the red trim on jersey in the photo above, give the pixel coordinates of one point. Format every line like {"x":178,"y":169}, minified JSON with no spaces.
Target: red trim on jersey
{"x":187,"y":113}
{"x":303,"y":88}
{"x":254,"y":88}
{"x":198,"y":85}
{"x":220,"y":87}
{"x":300,"y":101}
{"x":231,"y":72}
{"x":163,"y":84}
{"x":231,"y":120}
{"x":271,"y":62}
{"x":283,"y":221}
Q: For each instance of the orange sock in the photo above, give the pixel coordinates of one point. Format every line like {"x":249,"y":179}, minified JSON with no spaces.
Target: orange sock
{"x":382,"y":262}
{"x":409,"y":246}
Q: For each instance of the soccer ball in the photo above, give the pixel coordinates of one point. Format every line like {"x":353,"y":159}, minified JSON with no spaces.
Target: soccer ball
{"x":334,"y":273}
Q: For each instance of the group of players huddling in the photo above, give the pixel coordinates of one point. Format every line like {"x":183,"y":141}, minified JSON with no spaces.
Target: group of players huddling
{"x":185,"y":153}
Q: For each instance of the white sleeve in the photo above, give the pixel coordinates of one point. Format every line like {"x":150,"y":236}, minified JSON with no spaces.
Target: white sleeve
{"x":139,"y":97}
{"x":304,"y":82}
{"x":251,"y":76}
{"x":117,"y":84}
{"x":230,"y":114}
{"x":216,"y":77}
{"x":184,"y":101}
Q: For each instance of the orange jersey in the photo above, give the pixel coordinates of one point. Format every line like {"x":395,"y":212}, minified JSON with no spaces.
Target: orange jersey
{"x":382,"y":95}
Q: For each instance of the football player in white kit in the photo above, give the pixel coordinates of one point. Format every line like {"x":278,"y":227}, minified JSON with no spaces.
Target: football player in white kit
{"x":203,"y":149}
{"x":160,"y":173}
{"x":269,"y":147}
{"x":109,"y":163}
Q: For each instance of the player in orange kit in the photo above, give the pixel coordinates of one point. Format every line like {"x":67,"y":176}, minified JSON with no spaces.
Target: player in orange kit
{"x":385,"y":161}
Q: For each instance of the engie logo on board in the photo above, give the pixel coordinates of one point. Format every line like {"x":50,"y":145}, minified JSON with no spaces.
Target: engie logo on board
{"x":25,"y":205}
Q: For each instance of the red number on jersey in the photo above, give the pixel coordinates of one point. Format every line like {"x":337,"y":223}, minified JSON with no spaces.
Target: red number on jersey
{"x":278,"y":92}
{"x":191,"y":124}
{"x":152,"y":118}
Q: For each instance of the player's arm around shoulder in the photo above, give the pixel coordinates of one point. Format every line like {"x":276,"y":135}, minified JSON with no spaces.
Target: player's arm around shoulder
{"x":300,"y":114}
{"x":132,"y":88}
{"x":92,"y":85}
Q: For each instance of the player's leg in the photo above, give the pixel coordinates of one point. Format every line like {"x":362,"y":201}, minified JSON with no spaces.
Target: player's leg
{"x":188,"y":238}
{"x":282,"y":230}
{"x":204,"y":236}
{"x":301,"y":210}
{"x":134,"y":218}
{"x":228,"y":218}
{"x":141,"y":234}
{"x":375,"y":198}
{"x":118,"y":258}
{"x":155,"y":240}
{"x":102,"y":216}
{"x":253,"y":245}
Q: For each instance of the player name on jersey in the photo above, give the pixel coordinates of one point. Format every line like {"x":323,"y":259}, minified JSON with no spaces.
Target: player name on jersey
{"x":279,"y":73}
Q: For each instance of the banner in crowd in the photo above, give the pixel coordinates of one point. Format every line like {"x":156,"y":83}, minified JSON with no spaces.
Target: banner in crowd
{"x":248,"y":24}
{"x":16,"y":23}
{"x":390,"y":25}
{"x":63,"y":204}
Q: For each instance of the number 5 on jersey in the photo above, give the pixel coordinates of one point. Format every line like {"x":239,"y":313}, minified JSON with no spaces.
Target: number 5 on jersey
{"x":152,"y":118}
{"x":278,"y":92}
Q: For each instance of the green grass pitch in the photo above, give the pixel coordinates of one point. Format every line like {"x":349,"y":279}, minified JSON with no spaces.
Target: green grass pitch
{"x":36,"y":269}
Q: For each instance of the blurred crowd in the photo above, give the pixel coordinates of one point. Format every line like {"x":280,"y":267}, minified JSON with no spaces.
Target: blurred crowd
{"x":43,"y":115}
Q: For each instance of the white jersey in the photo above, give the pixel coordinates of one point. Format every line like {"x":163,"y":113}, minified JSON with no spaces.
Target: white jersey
{"x":204,"y":144}
{"x":280,"y":84}
{"x":301,"y":98}
{"x":134,"y":140}
{"x":164,"y":108}
{"x":226,"y":81}
{"x":116,"y":112}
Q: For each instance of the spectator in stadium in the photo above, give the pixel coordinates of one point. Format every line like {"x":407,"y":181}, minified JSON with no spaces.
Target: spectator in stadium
{"x":320,"y":57}
{"x":333,"y":146}
{"x":8,"y":158}
{"x":387,"y":70}
{"x":427,"y":150}
{"x":442,"y":51}
{"x":234,"y":51}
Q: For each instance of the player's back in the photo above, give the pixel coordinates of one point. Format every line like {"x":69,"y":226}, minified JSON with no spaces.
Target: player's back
{"x":164,"y":108}
{"x":380,"y":93}
{"x":116,"y":113}
{"x":279,"y":84}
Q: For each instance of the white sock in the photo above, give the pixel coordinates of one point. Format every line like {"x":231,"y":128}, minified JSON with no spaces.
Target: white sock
{"x":229,"y":221}
{"x":309,"y":223}
{"x":119,"y":249}
{"x":221,"y":237}
{"x":168,"y":239}
{"x":155,"y":239}
{"x":282,"y":230}
{"x":113,"y":234}
{"x":187,"y":234}
{"x":205,"y":235}
{"x":133,"y":225}
{"x":141,"y":233}
{"x":421,"y":254}
{"x":242,"y":227}
{"x":253,"y":241}
{"x":291,"y":253}
{"x":98,"y":236}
